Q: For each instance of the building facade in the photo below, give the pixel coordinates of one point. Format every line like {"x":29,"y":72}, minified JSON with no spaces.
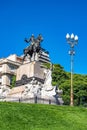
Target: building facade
{"x":8,"y":67}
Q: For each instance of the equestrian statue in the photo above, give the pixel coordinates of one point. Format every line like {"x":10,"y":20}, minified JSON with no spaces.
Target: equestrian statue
{"x":34,"y":47}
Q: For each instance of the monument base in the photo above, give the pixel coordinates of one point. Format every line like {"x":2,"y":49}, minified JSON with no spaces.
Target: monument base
{"x":33,"y":85}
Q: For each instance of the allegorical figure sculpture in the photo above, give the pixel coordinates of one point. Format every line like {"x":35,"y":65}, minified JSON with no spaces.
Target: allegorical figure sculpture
{"x":34,"y":46}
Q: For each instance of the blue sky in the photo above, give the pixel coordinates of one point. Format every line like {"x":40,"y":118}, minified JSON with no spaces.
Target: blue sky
{"x":53,"y":19}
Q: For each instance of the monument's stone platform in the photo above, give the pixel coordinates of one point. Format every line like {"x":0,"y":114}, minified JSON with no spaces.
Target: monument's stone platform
{"x":29,"y":70}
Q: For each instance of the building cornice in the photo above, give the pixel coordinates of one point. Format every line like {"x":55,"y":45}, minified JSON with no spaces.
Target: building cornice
{"x":4,"y":61}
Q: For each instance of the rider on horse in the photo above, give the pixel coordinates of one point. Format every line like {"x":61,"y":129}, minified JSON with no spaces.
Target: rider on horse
{"x":34,"y":46}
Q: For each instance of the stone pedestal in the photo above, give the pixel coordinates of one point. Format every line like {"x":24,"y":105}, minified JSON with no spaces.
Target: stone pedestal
{"x":29,"y":70}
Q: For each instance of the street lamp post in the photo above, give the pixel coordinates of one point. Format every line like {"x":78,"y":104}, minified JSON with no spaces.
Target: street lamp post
{"x":72,"y":40}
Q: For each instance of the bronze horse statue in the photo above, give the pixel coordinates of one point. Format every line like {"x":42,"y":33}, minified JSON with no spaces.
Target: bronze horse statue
{"x":34,"y":46}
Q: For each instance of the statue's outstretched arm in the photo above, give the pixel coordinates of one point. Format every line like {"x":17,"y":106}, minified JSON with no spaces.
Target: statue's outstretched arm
{"x":27,"y":40}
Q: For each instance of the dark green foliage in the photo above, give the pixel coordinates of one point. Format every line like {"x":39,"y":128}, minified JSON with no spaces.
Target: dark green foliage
{"x":65,"y":86}
{"x":13,"y":81}
{"x":47,"y":65}
{"x":58,"y":75}
{"x":21,"y":116}
{"x":80,"y":89}
{"x":62,"y":79}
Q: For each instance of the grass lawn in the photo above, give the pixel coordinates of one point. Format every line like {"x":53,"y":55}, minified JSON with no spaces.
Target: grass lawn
{"x":19,"y":116}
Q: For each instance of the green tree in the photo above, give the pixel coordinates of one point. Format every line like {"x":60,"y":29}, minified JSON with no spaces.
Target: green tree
{"x":47,"y":65}
{"x":65,"y":86}
{"x":58,"y":75}
{"x":13,"y":81}
{"x":62,"y":78}
{"x":80,"y":89}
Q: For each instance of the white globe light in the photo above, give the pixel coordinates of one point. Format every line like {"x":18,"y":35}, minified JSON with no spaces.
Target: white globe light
{"x":76,"y":38}
{"x":67,"y":36}
{"x":72,"y":36}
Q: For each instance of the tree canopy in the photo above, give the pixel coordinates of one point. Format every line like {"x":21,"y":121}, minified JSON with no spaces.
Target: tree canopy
{"x":62,"y":79}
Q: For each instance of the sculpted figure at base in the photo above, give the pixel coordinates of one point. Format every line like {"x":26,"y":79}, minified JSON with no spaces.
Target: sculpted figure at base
{"x":3,"y":92}
{"x":48,"y":90}
{"x":32,"y":89}
{"x":48,"y":79}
